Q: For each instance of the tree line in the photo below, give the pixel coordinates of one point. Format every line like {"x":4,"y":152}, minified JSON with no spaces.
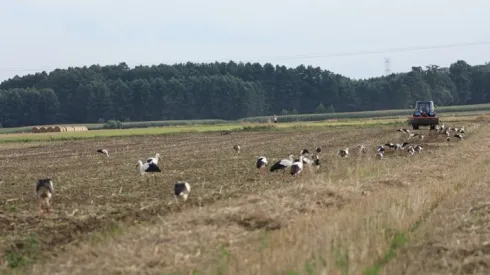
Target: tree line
{"x":225,"y":91}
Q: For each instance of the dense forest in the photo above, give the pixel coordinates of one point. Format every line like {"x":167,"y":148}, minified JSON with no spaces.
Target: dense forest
{"x":225,"y":91}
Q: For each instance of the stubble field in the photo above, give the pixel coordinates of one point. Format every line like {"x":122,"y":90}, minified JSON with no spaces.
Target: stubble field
{"x":349,"y":217}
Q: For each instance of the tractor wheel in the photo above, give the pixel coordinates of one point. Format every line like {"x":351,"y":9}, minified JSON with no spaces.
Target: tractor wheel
{"x":415,"y":127}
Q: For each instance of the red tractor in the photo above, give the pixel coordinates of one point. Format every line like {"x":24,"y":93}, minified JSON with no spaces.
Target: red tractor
{"x":424,"y":115}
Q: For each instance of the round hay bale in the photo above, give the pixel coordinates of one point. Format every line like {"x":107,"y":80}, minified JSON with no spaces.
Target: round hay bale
{"x":77,"y":128}
{"x":50,"y":129}
{"x":70,"y":129}
{"x":63,"y":128}
{"x":43,"y":130}
{"x":84,"y":128}
{"x":57,"y":129}
{"x":35,"y":129}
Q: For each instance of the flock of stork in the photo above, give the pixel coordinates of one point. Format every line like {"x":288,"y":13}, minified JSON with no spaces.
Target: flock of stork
{"x":44,"y":187}
{"x":296,"y":165}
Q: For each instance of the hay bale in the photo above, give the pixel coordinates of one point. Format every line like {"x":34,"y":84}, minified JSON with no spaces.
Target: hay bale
{"x":84,"y":128}
{"x":50,"y":129}
{"x":35,"y":129}
{"x":57,"y":129}
{"x":70,"y":129}
{"x":43,"y":130}
{"x":63,"y":128}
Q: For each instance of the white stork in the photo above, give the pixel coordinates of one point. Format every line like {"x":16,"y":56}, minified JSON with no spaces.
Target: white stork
{"x":343,"y":153}
{"x":410,"y":150}
{"x":261,"y":163}
{"x":237,"y":148}
{"x":297,"y":167}
{"x":418,"y":148}
{"x":282,"y":164}
{"x":316,"y":161}
{"x":182,"y":190}
{"x":44,"y":191}
{"x":458,"y":136}
{"x":148,"y":167}
{"x":103,"y":151}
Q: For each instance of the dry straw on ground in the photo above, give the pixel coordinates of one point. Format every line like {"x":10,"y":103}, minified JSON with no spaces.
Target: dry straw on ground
{"x":341,"y":220}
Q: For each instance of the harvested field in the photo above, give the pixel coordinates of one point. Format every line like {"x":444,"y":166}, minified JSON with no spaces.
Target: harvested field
{"x":343,"y":219}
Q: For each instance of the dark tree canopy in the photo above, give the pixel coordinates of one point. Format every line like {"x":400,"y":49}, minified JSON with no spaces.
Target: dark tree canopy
{"x":225,"y":91}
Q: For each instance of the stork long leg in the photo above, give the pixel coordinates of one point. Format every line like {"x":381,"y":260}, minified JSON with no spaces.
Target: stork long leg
{"x":38,"y":206}
{"x":48,"y":207}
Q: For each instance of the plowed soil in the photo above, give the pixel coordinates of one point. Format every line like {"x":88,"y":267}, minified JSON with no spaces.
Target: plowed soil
{"x":108,"y":219}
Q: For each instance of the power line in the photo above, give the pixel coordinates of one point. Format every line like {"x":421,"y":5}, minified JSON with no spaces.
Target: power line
{"x":309,"y":56}
{"x":391,"y":50}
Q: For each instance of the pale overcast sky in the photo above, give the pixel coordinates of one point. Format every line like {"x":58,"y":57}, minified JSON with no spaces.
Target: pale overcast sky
{"x":38,"y":35}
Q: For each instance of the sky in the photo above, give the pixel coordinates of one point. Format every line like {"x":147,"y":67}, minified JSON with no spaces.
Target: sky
{"x":39,"y":35}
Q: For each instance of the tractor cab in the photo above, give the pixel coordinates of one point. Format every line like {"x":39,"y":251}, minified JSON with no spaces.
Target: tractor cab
{"x":424,"y":109}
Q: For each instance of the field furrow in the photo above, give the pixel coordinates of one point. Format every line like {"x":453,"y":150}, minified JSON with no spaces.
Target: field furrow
{"x":109,"y":219}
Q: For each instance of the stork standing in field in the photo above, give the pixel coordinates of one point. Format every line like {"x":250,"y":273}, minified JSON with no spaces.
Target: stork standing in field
{"x":418,"y":148}
{"x":103,"y":151}
{"x":237,"y":148}
{"x":282,"y":164}
{"x":316,"y":161}
{"x":458,"y":136}
{"x":182,"y":190}
{"x":297,"y":167}
{"x":391,"y":145}
{"x":343,"y":153}
{"x":380,"y":151}
{"x":410,"y":150}
{"x":261,"y":163}
{"x":154,"y":159}
{"x":148,"y":167}
{"x":44,"y":191}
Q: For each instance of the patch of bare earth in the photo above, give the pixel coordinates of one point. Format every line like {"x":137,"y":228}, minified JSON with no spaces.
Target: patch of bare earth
{"x":340,"y":219}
